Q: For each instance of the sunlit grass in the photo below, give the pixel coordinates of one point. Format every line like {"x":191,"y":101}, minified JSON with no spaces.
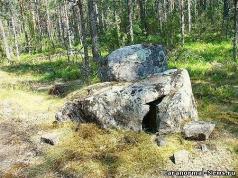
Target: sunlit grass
{"x":206,"y":52}
{"x":92,"y":151}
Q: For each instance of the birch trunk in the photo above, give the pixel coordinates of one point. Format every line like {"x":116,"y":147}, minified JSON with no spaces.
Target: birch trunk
{"x":182,"y":21}
{"x":15,"y":37}
{"x":235,"y":30}
{"x":130,"y":15}
{"x":84,"y":36}
{"x":94,"y":31}
{"x":5,"y":42}
{"x":189,"y":16}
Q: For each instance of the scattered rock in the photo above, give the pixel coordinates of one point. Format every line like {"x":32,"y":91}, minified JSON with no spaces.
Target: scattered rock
{"x":44,"y":88}
{"x":135,"y":62}
{"x":50,"y":138}
{"x":162,"y":102}
{"x":160,"y":141}
{"x":57,"y":89}
{"x":204,"y":148}
{"x":61,"y":88}
{"x":198,"y":130}
{"x":181,"y":157}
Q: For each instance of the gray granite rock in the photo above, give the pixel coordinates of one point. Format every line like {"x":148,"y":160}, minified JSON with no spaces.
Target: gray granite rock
{"x":198,"y":130}
{"x":162,"y":102}
{"x":181,"y":157}
{"x":136,"y":62}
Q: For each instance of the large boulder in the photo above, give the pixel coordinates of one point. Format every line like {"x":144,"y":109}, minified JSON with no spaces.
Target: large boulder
{"x":136,"y":62}
{"x":163,"y":102}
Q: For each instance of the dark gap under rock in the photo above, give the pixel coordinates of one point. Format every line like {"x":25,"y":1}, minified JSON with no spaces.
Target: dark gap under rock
{"x":199,"y":137}
{"x":149,"y":123}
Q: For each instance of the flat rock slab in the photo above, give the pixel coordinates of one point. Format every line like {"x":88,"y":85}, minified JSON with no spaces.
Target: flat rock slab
{"x":163,"y":102}
{"x":198,"y":130}
{"x":136,"y":62}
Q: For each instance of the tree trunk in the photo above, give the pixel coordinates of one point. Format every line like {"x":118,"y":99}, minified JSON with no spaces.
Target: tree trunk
{"x":165,"y":10}
{"x":60,"y":26}
{"x":48,"y":22}
{"x":97,"y":6}
{"x":21,"y":4}
{"x":189,"y":16}
{"x":15,"y":37}
{"x":195,"y":9}
{"x":225,"y":17}
{"x":5,"y":42}
{"x":68,"y":33}
{"x":94,"y":31}
{"x":116,"y":20}
{"x":130,"y":15}
{"x":171,"y":6}
{"x":143,"y":16}
{"x":159,"y":15}
{"x":182,"y":23}
{"x":235,"y":30}
{"x":76,"y":26}
{"x":84,"y":40}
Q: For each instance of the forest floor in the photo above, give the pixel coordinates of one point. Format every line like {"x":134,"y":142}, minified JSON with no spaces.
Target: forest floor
{"x":26,"y":114}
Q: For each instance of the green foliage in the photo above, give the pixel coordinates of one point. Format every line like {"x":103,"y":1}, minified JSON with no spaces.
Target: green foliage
{"x":110,"y":39}
{"x":208,"y":62}
{"x":212,"y":51}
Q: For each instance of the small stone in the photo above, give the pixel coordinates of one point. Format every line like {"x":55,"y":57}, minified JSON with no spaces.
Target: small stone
{"x":50,"y":138}
{"x":44,"y":88}
{"x":181,"y":157}
{"x":204,"y":148}
{"x":160,"y":141}
{"x":198,"y":130}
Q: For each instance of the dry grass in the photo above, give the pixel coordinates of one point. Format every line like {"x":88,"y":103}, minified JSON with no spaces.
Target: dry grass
{"x":93,"y":152}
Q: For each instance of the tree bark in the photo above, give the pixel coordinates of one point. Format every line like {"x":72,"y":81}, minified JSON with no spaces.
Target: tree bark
{"x":69,"y":46}
{"x":182,"y":21}
{"x":84,"y":36}
{"x":165,"y":10}
{"x":130,"y":20}
{"x":235,"y":31}
{"x":143,"y":16}
{"x":21,"y":4}
{"x":116,"y":20}
{"x":94,"y":31}
{"x":159,"y":14}
{"x":225,"y":17}
{"x":5,"y":42}
{"x":189,"y":16}
{"x":195,"y":9}
{"x":15,"y":37}
{"x":60,"y":26}
{"x":76,"y":26}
